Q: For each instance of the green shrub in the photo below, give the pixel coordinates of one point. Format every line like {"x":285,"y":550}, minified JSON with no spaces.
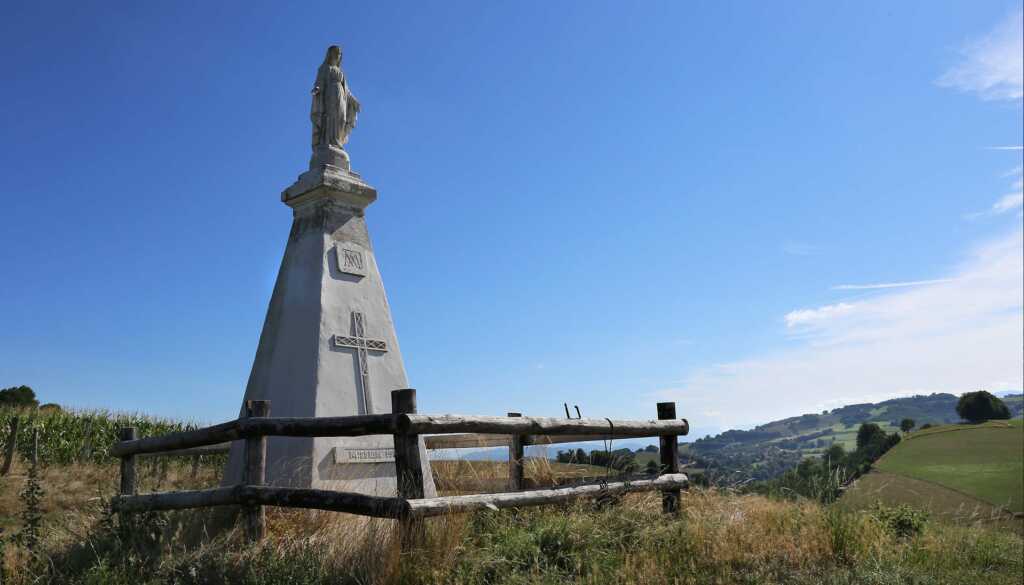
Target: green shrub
{"x":902,"y":520}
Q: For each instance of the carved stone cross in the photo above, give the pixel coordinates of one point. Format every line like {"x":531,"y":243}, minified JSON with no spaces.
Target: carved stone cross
{"x":363,"y":345}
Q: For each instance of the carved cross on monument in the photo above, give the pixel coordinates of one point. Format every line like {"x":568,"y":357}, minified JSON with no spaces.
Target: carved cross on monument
{"x":362,"y":345}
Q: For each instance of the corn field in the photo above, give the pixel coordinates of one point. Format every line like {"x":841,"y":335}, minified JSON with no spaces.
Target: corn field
{"x":67,"y":436}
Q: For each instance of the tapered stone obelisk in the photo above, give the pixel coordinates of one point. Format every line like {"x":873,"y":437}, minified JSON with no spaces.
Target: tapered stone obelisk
{"x":328,"y":346}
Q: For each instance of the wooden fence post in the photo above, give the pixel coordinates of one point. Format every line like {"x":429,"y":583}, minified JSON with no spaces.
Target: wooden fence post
{"x":256,"y":471}
{"x":516,"y":473}
{"x":127,"y":470}
{"x":669,"y":458}
{"x":127,"y":463}
{"x":408,"y":467}
{"x":12,"y":441}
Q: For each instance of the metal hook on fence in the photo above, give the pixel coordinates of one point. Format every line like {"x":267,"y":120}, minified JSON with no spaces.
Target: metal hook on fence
{"x":569,"y":416}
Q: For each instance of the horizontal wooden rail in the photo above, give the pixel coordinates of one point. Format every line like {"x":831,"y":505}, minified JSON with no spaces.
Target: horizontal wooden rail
{"x":322,"y":426}
{"x":526,"y":425}
{"x":217,"y":449}
{"x":383,"y":424}
{"x":330,"y":426}
{"x":380,"y":507}
{"x":352,"y":503}
{"x":181,"y":440}
{"x":465,"y":441}
{"x":453,"y":504}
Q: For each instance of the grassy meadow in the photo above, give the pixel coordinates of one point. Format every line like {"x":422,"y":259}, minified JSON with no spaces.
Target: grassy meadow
{"x":719,"y":536}
{"x":942,"y":503}
{"x":984,"y":461}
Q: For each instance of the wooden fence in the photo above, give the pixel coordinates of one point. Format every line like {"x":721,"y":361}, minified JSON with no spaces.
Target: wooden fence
{"x":406,"y":426}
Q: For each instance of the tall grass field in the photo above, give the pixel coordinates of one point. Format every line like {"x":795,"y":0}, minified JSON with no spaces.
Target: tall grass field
{"x":719,"y":536}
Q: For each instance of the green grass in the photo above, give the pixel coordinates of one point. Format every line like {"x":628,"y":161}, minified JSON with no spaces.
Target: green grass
{"x":943,"y":503}
{"x":984,"y":461}
{"x":718,"y":538}
{"x":643,"y":457}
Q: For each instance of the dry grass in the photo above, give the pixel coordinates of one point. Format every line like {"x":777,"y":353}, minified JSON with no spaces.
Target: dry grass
{"x":719,"y":537}
{"x":462,"y":476}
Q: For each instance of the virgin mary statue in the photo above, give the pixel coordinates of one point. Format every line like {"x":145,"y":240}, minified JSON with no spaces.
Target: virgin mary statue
{"x":333,"y":112}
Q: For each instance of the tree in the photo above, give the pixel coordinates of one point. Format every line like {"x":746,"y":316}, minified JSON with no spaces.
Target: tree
{"x":869,"y":433}
{"x":981,"y":406}
{"x":834,"y":455}
{"x":907,"y":424}
{"x":652,"y":468}
{"x":18,"y":396}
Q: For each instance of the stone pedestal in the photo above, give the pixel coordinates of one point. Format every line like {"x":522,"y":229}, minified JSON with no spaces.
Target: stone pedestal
{"x":328,"y":346}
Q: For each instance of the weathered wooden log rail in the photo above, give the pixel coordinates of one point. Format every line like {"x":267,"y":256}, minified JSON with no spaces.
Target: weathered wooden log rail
{"x":384,"y":507}
{"x":477,"y":431}
{"x":406,"y":426}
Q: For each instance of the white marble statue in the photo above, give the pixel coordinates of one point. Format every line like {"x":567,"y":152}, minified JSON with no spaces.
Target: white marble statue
{"x":333,"y":112}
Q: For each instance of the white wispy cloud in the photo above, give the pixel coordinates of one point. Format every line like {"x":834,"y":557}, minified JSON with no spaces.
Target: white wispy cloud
{"x":807,"y":317}
{"x":1008,"y":202}
{"x":1011,"y":201}
{"x":992,"y":66}
{"x":1004,"y":148}
{"x":883,"y":285}
{"x":965,"y":332}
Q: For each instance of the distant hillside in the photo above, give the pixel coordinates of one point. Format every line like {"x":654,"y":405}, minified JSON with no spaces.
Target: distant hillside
{"x":769,"y":449}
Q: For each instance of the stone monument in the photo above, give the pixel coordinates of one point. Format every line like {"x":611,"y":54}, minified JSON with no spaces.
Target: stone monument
{"x":328,"y":346}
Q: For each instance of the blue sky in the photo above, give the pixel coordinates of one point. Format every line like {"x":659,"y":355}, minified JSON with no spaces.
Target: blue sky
{"x":591,"y":203}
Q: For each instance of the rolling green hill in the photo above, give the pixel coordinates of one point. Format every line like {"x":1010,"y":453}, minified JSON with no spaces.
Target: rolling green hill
{"x":984,"y":461}
{"x":964,"y":473}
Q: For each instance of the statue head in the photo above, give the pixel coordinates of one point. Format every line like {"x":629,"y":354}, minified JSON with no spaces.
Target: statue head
{"x":333,"y":55}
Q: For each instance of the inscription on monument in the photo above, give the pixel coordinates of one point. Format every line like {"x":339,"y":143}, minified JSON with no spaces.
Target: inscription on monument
{"x":381,"y":455}
{"x":350,"y":259}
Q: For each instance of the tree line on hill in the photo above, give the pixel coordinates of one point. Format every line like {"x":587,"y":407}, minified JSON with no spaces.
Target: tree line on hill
{"x":823,"y":478}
